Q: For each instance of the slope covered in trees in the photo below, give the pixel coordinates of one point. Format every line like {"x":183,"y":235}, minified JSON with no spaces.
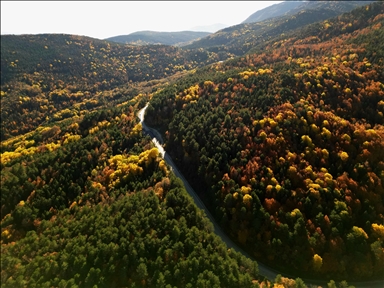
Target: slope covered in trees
{"x":292,"y":7}
{"x":286,"y":145}
{"x":58,"y":76}
{"x":88,"y":201}
{"x":154,"y":37}
{"x":239,"y":39}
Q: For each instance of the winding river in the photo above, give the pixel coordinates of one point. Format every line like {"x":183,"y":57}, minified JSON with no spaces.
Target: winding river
{"x":263,"y":269}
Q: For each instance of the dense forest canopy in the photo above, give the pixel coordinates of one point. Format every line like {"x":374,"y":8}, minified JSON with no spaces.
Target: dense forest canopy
{"x":90,"y":202}
{"x":58,"y":76}
{"x":284,"y":144}
{"x":287,"y":145}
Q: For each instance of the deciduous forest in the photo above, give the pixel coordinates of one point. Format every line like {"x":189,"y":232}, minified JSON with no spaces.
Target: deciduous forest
{"x":280,"y":133}
{"x":287,"y":145}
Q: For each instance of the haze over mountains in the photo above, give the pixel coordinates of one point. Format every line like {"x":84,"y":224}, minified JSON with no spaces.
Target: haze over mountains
{"x":309,"y":11}
{"x":152,"y":37}
{"x":278,"y":126}
{"x":209,"y":28}
{"x":292,"y":7}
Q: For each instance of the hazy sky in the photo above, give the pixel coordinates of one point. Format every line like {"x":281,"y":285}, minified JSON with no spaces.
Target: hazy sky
{"x":102,"y":19}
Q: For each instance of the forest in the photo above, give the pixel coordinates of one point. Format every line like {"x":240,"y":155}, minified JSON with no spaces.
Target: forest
{"x":283,"y":143}
{"x":240,"y":39}
{"x":90,"y":202}
{"x":53,"y":76}
{"x":286,"y":145}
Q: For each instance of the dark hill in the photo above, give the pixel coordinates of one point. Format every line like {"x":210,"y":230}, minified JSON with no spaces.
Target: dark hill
{"x":287,"y":8}
{"x":275,"y":10}
{"x":153,"y":37}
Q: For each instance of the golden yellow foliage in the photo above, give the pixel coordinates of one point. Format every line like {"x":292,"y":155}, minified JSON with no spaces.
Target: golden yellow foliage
{"x":136,"y":130}
{"x":245,"y":190}
{"x":191,"y":93}
{"x":163,"y":167}
{"x":379,"y":230}
{"x":306,"y":139}
{"x":207,"y":83}
{"x":346,"y":137}
{"x":5,"y":234}
{"x":22,"y":149}
{"x":71,"y":138}
{"x":295,"y":212}
{"x":93,"y":130}
{"x":325,"y":153}
{"x":127,"y":166}
{"x":317,"y":262}
{"x":247,"y":73}
{"x":315,"y":193}
{"x":314,"y":186}
{"x":52,"y":146}
{"x":247,"y":199}
{"x":326,"y":133}
{"x":74,"y":126}
{"x":8,"y":156}
{"x":314,"y":128}
{"x":103,"y":124}
{"x":292,"y":170}
{"x":264,"y":71}
{"x":344,"y":156}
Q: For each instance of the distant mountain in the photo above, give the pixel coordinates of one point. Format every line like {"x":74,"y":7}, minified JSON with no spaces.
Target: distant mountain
{"x":287,"y":8}
{"x":210,"y":28}
{"x":153,"y":37}
{"x":239,"y":39}
{"x":275,"y":10}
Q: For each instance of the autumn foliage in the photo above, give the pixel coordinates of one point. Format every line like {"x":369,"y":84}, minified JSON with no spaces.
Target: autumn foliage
{"x":287,"y":145}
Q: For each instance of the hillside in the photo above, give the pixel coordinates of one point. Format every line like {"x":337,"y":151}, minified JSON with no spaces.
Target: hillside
{"x":89,"y":201}
{"x":276,"y":10}
{"x":164,"y":38}
{"x":286,"y":145}
{"x":287,"y":8}
{"x":57,"y":76}
{"x":239,"y":39}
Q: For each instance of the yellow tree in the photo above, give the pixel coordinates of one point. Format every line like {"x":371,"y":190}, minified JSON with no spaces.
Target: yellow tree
{"x":317,"y":262}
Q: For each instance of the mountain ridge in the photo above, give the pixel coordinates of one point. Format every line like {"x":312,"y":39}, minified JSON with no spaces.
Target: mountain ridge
{"x":239,"y":39}
{"x":148,"y":37}
{"x":288,"y":8}
{"x":275,"y":10}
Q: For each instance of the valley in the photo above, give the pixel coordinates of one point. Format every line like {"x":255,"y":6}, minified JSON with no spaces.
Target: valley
{"x":251,"y":157}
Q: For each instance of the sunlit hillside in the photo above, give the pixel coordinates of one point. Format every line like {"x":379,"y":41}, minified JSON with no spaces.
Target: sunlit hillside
{"x":275,"y":129}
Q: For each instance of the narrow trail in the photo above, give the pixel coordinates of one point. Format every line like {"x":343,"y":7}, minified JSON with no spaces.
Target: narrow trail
{"x":264,"y":270}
